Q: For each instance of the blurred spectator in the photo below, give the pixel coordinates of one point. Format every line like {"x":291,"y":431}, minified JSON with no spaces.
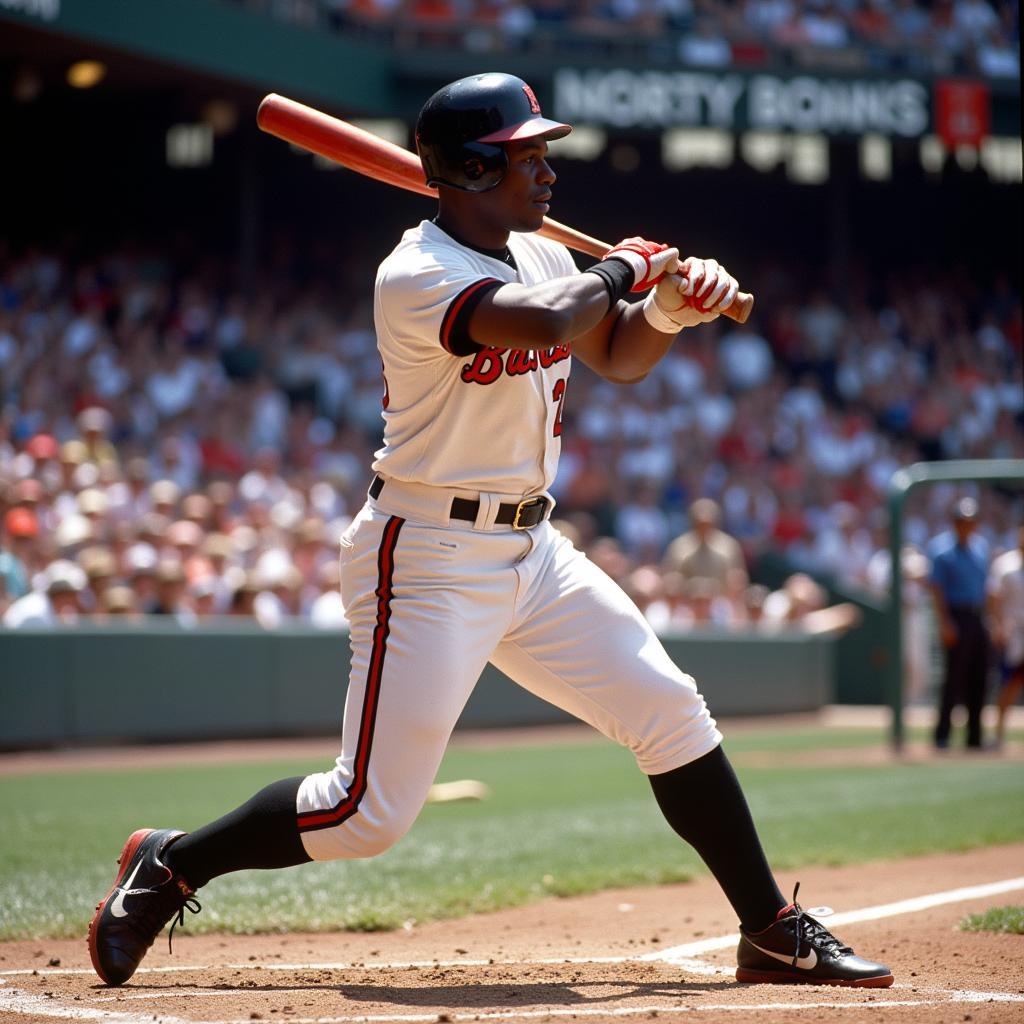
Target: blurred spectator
{"x":960,"y":564}
{"x":798,"y":596}
{"x":706,"y":46}
{"x":934,"y":36}
{"x":918,"y":619}
{"x":1006,"y":611}
{"x":55,"y":601}
{"x":707,"y":552}
{"x":746,"y":358}
{"x":327,"y":610}
{"x":94,"y":425}
{"x":754,"y":597}
{"x":119,"y":602}
{"x":822,"y":24}
{"x":706,"y":604}
{"x":169,"y":597}
{"x":20,"y":529}
{"x":642,"y":525}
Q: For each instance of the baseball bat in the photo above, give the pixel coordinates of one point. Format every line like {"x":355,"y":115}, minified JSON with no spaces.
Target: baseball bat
{"x":368,"y":154}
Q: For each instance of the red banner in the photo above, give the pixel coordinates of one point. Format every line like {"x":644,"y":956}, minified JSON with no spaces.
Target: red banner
{"x":963,"y":112}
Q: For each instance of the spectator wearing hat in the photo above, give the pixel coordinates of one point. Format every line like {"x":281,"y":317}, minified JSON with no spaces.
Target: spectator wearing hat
{"x":243,"y":598}
{"x":55,"y":601}
{"x":164,"y":496}
{"x":31,"y":495}
{"x":100,"y":568}
{"x":94,"y":425}
{"x":959,"y":570}
{"x":197,"y":508}
{"x":171,"y":592}
{"x":93,"y":504}
{"x":185,"y":537}
{"x":44,"y":452}
{"x":139,"y":568}
{"x":72,"y":455}
{"x":202,"y":593}
{"x":128,"y":495}
{"x":221,"y":494}
{"x":218,"y":553}
{"x":43,"y":448}
{"x":119,"y":602}
{"x":28,"y":492}
{"x":20,"y":529}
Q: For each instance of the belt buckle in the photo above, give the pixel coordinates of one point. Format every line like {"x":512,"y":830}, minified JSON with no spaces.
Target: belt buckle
{"x":524,"y":504}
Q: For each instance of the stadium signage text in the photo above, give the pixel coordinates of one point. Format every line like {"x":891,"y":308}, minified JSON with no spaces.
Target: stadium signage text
{"x":48,"y":10}
{"x":664,"y":99}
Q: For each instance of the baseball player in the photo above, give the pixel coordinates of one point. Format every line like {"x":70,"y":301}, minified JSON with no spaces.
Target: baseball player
{"x":453,"y":562}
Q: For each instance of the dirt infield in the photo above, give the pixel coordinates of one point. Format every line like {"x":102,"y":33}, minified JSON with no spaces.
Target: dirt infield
{"x":638,"y":953}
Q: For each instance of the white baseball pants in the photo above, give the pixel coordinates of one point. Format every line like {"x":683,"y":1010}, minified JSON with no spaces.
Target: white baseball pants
{"x":429,"y":604}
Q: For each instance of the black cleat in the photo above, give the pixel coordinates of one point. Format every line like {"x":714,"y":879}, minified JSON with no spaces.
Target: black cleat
{"x":145,"y":896}
{"x":797,"y":949}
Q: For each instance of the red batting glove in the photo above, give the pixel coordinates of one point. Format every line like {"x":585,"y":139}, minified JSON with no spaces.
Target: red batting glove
{"x":649,"y":261}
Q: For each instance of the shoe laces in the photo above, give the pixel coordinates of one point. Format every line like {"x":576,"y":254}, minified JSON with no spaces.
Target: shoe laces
{"x":813,"y":932}
{"x":168,"y":903}
{"x":193,"y":906}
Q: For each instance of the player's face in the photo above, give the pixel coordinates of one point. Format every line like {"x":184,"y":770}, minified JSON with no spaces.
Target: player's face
{"x":521,"y":199}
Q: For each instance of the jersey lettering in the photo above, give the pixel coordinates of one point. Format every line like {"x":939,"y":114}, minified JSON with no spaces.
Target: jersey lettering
{"x":488,"y":363}
{"x":558,"y":395}
{"x":485,"y":368}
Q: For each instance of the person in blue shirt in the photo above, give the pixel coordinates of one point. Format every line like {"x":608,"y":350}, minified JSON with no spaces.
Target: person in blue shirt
{"x":960,"y":563}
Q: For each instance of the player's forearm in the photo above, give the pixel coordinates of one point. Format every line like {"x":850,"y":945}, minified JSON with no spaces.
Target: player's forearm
{"x":542,"y":315}
{"x":634,"y":346}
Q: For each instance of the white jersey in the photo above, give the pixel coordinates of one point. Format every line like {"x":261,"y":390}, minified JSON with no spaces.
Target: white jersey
{"x":1006,"y":583}
{"x":457,"y":414}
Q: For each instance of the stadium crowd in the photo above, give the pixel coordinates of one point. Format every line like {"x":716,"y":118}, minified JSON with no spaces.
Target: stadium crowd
{"x":940,"y":36}
{"x":168,"y":447}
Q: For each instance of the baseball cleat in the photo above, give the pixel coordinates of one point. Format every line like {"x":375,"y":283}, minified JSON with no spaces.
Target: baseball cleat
{"x":145,"y":896}
{"x":797,"y":949}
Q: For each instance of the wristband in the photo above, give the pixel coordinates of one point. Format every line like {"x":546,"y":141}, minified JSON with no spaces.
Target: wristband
{"x":658,"y":318}
{"x":617,"y":276}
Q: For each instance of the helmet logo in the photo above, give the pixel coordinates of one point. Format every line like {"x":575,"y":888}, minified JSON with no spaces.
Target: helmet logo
{"x":534,"y":105}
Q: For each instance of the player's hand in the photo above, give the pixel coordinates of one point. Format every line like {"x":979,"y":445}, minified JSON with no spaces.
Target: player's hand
{"x":950,"y":634}
{"x":649,"y":261}
{"x":700,"y":291}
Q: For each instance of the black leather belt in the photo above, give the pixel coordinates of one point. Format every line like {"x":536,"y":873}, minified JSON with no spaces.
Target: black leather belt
{"x":520,"y":515}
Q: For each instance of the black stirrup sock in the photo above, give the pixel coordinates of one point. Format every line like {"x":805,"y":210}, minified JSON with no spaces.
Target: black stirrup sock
{"x":262,"y":833}
{"x":704,"y":804}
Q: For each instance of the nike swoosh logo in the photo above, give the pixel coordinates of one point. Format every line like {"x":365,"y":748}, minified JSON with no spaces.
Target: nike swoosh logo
{"x":117,"y":907}
{"x":805,"y":963}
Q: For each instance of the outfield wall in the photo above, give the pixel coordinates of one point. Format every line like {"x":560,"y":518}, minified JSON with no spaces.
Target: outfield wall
{"x":159,"y":682}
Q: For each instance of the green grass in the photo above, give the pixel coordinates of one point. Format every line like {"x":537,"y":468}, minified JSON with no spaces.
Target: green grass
{"x":561,"y":820}
{"x":1002,"y":920}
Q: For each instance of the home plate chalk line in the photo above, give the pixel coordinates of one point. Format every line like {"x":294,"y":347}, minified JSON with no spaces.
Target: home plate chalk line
{"x":15,"y":1001}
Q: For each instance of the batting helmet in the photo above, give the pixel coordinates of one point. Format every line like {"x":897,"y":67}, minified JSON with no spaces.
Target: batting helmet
{"x":461,"y":128}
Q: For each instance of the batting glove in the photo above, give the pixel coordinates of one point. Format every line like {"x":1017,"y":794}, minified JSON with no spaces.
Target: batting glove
{"x":696,"y":295}
{"x":649,"y":261}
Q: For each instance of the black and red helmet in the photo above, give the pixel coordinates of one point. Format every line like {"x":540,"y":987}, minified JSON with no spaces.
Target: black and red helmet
{"x":461,"y":128}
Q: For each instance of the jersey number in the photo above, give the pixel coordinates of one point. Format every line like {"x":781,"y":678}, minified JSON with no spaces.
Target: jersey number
{"x":558,"y":395}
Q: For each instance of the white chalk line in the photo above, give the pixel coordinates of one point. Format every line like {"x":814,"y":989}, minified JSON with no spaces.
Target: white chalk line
{"x":911,"y":906}
{"x":675,"y":955}
{"x":682,"y":956}
{"x":45,"y":1008}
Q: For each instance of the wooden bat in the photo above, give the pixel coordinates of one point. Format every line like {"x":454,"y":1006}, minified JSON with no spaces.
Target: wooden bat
{"x":368,"y":154}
